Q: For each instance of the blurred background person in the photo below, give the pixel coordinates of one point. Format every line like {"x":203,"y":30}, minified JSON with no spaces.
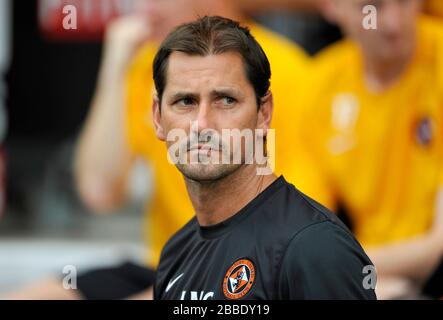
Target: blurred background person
{"x":373,"y":124}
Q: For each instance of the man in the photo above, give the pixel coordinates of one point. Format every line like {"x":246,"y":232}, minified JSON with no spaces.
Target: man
{"x":373,"y":123}
{"x":254,"y":236}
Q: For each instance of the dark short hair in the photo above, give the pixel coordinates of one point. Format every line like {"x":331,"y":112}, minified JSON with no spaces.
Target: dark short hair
{"x":215,"y":35}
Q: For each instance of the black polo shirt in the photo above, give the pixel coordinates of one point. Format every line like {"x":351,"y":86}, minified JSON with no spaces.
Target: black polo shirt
{"x":282,"y":245}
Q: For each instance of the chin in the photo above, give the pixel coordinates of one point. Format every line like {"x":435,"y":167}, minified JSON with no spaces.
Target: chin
{"x":207,"y":172}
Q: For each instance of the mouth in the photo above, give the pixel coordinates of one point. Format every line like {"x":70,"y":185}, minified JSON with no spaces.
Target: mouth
{"x":202,"y":147}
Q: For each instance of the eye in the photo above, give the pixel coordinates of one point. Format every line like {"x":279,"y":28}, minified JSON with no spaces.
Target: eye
{"x":185,"y":102}
{"x":228,"y":101}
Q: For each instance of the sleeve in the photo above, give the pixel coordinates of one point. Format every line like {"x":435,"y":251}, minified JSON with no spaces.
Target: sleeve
{"x":325,"y":262}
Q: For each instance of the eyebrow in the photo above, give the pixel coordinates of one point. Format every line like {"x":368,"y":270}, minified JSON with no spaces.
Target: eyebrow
{"x":214,"y":93}
{"x":225,"y":92}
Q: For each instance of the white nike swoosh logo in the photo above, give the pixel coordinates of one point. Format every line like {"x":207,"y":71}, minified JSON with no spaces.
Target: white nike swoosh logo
{"x":172,"y":282}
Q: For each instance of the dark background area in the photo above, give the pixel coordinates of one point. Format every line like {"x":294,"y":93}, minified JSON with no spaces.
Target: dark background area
{"x":50,"y":83}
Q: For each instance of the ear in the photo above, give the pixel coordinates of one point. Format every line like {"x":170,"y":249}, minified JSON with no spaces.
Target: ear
{"x":265,"y":112}
{"x":156,"y":117}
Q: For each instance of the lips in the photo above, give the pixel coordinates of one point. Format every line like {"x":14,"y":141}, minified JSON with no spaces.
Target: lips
{"x":203,"y":148}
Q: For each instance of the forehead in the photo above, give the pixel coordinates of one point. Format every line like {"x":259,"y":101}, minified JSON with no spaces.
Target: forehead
{"x":197,"y":72}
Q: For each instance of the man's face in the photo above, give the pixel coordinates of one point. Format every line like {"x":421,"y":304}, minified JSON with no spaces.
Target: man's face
{"x":396,"y":25}
{"x":214,"y":93}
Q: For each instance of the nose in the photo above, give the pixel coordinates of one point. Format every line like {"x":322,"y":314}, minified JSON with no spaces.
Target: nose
{"x":204,"y":116}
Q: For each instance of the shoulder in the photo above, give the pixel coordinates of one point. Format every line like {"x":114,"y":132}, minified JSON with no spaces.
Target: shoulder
{"x":313,"y":234}
{"x":293,"y":214}
{"x":303,"y":212}
{"x":335,"y":66}
{"x":325,"y":242}
{"x":332,"y":60}
{"x":430,"y":38}
{"x":431,"y":26}
{"x":324,"y":261}
{"x":431,"y":47}
{"x":274,"y":42}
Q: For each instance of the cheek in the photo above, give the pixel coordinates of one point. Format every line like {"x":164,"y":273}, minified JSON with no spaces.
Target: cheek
{"x":171,"y":120}
{"x":244,"y":118}
{"x":237,"y":120}
{"x":177,"y":129}
{"x":171,"y":131}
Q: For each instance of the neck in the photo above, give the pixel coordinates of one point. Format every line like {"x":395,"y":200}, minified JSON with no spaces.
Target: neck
{"x":381,"y":73}
{"x":216,"y":201}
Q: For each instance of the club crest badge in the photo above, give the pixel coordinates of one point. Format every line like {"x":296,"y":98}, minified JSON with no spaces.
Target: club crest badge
{"x":239,"y":279}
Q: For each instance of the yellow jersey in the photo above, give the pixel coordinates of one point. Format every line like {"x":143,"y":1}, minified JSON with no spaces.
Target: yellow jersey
{"x":170,"y":207}
{"x":378,"y":154}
